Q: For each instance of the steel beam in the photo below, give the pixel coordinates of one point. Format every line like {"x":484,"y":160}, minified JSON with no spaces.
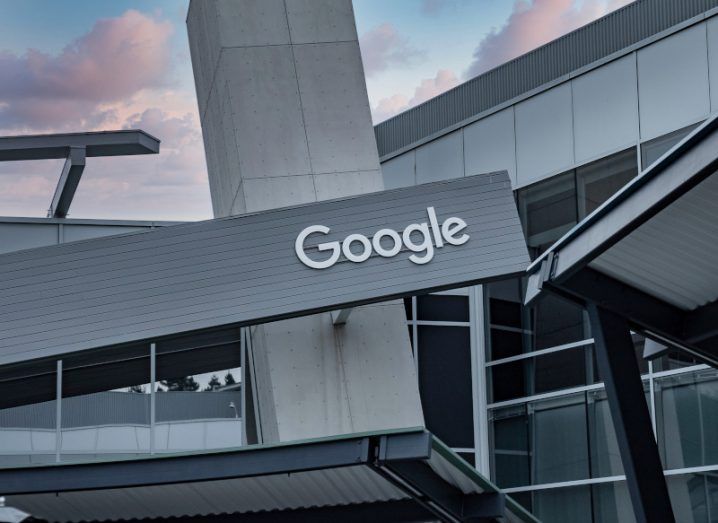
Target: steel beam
{"x":632,"y":422}
{"x":53,"y":146}
{"x":68,"y":182}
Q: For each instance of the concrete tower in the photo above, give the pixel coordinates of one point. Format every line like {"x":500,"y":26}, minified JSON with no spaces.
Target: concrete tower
{"x":285,"y":118}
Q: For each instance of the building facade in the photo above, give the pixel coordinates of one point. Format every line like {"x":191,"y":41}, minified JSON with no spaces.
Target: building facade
{"x":512,"y":389}
{"x":533,"y":409}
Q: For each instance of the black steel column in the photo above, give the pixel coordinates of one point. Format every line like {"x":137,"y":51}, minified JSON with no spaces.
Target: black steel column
{"x":631,"y":419}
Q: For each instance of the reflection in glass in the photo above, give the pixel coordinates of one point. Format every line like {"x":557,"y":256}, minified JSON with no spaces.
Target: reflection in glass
{"x":567,"y":504}
{"x":687,"y":419}
{"x":652,"y":150}
{"x":28,"y":434}
{"x":515,"y":329}
{"x":555,"y":440}
{"x":598,"y":181}
{"x":554,"y":371}
{"x":612,"y":503}
{"x":199,"y":412}
{"x":547,"y":210}
{"x":694,"y":497}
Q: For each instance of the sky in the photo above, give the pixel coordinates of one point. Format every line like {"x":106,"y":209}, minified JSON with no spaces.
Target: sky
{"x":88,"y":65}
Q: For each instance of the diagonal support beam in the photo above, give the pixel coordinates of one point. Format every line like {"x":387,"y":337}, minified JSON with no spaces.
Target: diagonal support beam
{"x":631,"y":420}
{"x":340,"y":317}
{"x":67,"y":185}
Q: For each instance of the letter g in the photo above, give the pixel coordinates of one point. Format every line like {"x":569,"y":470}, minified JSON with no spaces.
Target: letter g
{"x":306,"y":260}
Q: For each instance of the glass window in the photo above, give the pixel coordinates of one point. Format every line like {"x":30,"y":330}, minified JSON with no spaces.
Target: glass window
{"x":103,"y":423}
{"x":652,"y":150}
{"x":27,"y":434}
{"x":557,"y":370}
{"x":612,"y":503}
{"x":605,"y":455}
{"x":598,"y":181}
{"x":198,"y":412}
{"x":565,"y":504}
{"x":687,"y":419}
{"x":559,"y":439}
{"x":557,"y":321}
{"x":445,"y":383}
{"x":408,"y":308}
{"x":674,"y":360}
{"x":694,"y":497}
{"x":511,"y":459}
{"x":547,"y":210}
{"x":443,"y":308}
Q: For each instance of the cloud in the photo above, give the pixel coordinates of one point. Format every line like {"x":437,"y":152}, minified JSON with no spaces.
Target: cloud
{"x":427,"y":89}
{"x":434,"y":7}
{"x":116,"y":59}
{"x":383,"y":47}
{"x":119,"y":75}
{"x":532,"y":24}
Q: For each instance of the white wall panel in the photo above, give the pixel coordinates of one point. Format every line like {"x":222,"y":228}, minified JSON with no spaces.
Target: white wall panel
{"x":441,"y":159}
{"x":544,"y":135}
{"x":673,"y":82}
{"x":490,"y":145}
{"x":400,"y":171}
{"x":605,"y":109}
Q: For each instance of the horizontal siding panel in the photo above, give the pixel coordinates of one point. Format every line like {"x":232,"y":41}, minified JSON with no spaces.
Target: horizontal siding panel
{"x":243,"y":270}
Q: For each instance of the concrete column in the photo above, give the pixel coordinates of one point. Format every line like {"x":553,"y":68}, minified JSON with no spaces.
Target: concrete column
{"x":285,"y":118}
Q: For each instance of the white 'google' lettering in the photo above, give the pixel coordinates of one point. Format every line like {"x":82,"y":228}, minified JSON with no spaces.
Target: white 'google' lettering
{"x":429,"y":235}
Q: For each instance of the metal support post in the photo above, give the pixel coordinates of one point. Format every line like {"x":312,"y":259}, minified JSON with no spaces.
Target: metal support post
{"x":632,"y":422}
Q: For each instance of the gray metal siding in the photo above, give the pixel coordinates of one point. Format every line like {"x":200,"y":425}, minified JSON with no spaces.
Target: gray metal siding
{"x":607,"y":35}
{"x":243,"y":269}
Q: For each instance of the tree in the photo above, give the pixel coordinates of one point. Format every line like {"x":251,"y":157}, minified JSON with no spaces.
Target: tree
{"x":214,"y":383}
{"x":177,"y":384}
{"x":229,"y":379}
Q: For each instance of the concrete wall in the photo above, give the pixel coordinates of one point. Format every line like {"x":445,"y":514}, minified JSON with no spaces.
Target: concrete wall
{"x":285,"y":118}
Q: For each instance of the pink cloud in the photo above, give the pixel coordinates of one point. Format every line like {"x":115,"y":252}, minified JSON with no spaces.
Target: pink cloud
{"x":532,"y":24}
{"x":117,"y":58}
{"x":383,"y":47}
{"x":427,"y":88}
{"x":118,"y":75}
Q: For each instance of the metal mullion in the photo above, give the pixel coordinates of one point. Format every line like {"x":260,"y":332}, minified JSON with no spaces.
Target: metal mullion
{"x":533,"y":354}
{"x":438,"y":323}
{"x":479,"y":381}
{"x":153,"y":386}
{"x":58,"y":411}
{"x":545,"y":395}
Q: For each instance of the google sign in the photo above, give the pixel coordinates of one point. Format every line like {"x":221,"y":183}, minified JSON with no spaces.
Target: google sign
{"x":386,"y":242}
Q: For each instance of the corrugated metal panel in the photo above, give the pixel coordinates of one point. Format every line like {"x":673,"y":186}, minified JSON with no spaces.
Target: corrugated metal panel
{"x":339,"y":486}
{"x":615,"y":31}
{"x":673,"y":255}
{"x":108,"y":291}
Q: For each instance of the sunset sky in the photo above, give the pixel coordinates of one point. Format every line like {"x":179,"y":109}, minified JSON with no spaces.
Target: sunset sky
{"x":80,"y":65}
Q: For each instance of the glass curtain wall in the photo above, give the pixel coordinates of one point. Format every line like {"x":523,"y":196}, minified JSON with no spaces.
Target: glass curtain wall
{"x":97,"y":415}
{"x":550,"y":435}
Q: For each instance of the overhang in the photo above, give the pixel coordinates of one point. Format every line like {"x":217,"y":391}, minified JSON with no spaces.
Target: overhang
{"x":98,"y":304}
{"x":649,"y":252}
{"x":400,"y":475}
{"x":98,"y":143}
